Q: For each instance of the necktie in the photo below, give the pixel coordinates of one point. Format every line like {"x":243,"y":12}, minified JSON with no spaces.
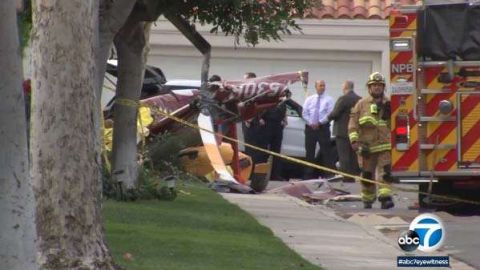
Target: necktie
{"x":316,"y":112}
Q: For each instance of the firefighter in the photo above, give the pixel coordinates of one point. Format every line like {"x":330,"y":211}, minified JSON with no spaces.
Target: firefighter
{"x":369,"y":134}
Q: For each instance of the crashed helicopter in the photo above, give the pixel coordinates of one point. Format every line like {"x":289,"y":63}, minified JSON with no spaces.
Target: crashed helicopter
{"x":224,"y":103}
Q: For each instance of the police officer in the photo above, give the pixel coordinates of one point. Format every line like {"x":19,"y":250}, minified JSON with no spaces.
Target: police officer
{"x":270,"y":136}
{"x":369,"y":134}
{"x":250,"y":132}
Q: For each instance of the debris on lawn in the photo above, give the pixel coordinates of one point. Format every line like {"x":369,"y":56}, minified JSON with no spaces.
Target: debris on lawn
{"x":128,"y":256}
{"x":181,"y":191}
{"x":230,"y":187}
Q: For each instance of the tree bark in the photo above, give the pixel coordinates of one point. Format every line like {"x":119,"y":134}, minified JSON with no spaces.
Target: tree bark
{"x":65,"y":165}
{"x":130,"y":43}
{"x":112,"y":16}
{"x":17,"y":205}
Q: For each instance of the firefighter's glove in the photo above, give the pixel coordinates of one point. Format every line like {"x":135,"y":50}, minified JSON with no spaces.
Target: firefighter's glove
{"x":364,"y":151}
{"x":387,"y":175}
{"x":387,"y":111}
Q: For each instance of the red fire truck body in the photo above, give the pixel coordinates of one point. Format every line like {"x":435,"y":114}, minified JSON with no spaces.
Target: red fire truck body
{"x":435,"y":96}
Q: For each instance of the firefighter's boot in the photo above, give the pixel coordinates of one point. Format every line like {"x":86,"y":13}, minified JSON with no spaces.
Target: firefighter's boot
{"x":368,"y":190}
{"x":386,"y":202}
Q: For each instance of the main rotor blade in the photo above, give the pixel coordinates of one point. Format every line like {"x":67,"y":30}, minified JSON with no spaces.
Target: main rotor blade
{"x":211,"y":147}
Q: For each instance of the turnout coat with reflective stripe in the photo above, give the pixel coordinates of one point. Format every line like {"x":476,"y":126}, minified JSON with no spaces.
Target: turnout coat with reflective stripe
{"x":367,"y":127}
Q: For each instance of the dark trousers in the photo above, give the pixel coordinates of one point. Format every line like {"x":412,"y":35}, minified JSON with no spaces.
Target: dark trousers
{"x":347,"y":157}
{"x":324,"y":157}
{"x":250,"y":136}
{"x":270,"y":137}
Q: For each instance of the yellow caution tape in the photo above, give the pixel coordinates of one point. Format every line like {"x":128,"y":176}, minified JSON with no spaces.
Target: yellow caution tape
{"x":133,"y":103}
{"x":127,"y":102}
{"x":104,"y":146}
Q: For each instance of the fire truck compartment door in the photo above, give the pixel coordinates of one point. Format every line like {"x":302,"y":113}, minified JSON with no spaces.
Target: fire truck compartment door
{"x":469,"y":129}
{"x":449,"y":31}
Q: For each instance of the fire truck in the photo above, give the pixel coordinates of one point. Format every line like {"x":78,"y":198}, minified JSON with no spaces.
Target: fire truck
{"x":435,"y":97}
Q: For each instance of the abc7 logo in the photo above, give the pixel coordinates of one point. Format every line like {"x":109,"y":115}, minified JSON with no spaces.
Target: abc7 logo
{"x":409,"y":240}
{"x":426,"y":233}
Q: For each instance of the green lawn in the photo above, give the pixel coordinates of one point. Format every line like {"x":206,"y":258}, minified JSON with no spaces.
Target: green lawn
{"x":196,"y":231}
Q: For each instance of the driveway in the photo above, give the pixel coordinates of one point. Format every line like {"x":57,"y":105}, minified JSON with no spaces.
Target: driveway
{"x":462,"y":226}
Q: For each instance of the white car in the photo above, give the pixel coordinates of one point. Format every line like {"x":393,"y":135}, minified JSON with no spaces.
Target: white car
{"x":181,"y":84}
{"x":293,"y":143}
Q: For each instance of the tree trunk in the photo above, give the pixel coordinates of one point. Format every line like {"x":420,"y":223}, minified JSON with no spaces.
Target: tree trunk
{"x":130,"y":43}
{"x":112,"y":16}
{"x":65,"y":165}
{"x":17,"y":205}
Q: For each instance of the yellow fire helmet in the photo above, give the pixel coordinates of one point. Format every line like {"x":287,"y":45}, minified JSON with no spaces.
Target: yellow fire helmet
{"x":376,"y":77}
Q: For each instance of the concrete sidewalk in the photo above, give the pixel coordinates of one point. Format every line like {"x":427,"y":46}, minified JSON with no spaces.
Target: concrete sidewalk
{"x":317,"y":234}
{"x":320,"y":236}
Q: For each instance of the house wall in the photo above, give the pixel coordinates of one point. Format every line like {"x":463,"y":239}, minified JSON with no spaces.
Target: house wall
{"x":333,"y":50}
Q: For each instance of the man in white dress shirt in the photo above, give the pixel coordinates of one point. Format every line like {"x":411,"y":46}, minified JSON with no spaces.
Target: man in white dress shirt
{"x":317,"y":130}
